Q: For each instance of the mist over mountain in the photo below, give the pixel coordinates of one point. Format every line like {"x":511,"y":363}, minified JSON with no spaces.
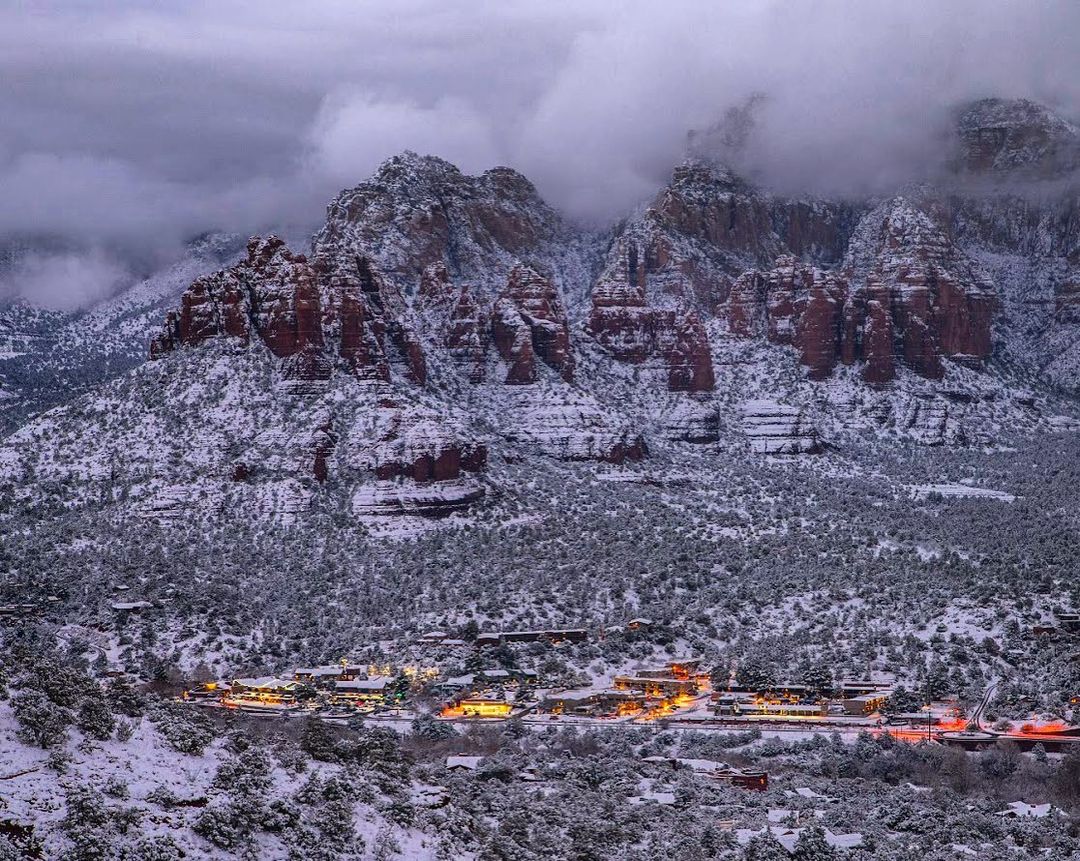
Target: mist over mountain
{"x":132,"y":124}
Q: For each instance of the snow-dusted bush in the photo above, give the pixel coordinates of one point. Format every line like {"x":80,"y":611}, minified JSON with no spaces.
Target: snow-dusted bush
{"x":184,"y":729}
{"x":41,"y":721}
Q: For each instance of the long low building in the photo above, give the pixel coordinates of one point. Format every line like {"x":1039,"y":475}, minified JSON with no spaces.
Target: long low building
{"x":656,"y":687}
{"x":360,"y":690}
{"x":269,"y":690}
{"x":484,"y":706}
{"x":591,"y":701}
{"x":551,"y":635}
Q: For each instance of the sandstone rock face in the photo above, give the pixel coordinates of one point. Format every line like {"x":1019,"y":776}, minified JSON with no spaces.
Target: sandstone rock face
{"x":341,"y":314}
{"x":513,"y":339}
{"x":693,"y":418}
{"x":285,"y":306}
{"x":793,"y":304}
{"x":942,"y":305}
{"x":568,"y":424}
{"x":631,"y":331}
{"x":371,"y":320}
{"x":273,"y":294}
{"x":678,"y":264}
{"x":707,"y":226}
{"x":417,"y":211}
{"x":878,"y":349}
{"x":410,"y":442}
{"x":526,"y":323}
{"x":467,"y":335}
{"x":904,"y":293}
{"x":335,"y":315}
{"x":688,"y":358}
{"x":1025,"y":233}
{"x":304,"y":313}
{"x":774,"y":428}
{"x":1016,"y":136}
{"x":423,"y":464}
{"x":529,"y":322}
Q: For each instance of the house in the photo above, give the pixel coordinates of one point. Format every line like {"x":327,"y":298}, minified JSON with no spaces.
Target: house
{"x":131,"y":606}
{"x":666,"y":799}
{"x":1023,"y":810}
{"x":11,"y":610}
{"x":463,"y":763}
{"x":484,"y":706}
{"x":208,"y":691}
{"x":457,"y":683}
{"x":679,"y":668}
{"x":725,"y":704}
{"x":501,"y":676}
{"x":323,"y":676}
{"x":550,"y":635}
{"x":267,"y":691}
{"x":858,"y":687}
{"x":684,"y":668}
{"x":807,"y":792}
{"x":743,"y":778}
{"x":360,"y":691}
{"x":594,"y":701}
{"x":1069,"y":621}
{"x":788,"y":837}
{"x":867,"y":703}
{"x":656,"y":687}
{"x":786,"y":709}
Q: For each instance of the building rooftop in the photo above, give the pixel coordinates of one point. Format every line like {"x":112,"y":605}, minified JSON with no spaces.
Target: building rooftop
{"x":362,"y":684}
{"x":470,"y":763}
{"x":267,"y":683}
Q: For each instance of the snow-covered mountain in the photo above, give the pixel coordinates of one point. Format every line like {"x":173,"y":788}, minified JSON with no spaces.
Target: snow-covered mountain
{"x":48,"y":356}
{"x":443,"y":325}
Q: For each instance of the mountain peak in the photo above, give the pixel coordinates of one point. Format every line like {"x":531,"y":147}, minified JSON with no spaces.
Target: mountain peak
{"x":419,"y":210}
{"x":1007,"y":136}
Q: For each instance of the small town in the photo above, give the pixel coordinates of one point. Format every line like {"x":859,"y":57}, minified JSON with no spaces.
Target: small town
{"x":677,"y":693}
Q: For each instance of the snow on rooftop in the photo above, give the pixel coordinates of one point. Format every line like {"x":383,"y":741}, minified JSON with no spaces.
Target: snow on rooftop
{"x":265,"y":682}
{"x":1022,"y":808}
{"x":664,"y":798}
{"x":471,"y":763}
{"x":376,"y":684}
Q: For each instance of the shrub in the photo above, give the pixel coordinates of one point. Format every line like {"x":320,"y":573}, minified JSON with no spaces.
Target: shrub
{"x":184,"y":730}
{"x":95,"y":719}
{"x":41,"y":721}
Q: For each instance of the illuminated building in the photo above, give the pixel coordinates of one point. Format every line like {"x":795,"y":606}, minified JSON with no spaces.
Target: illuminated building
{"x":267,"y":691}
{"x":360,"y":691}
{"x":484,"y":707}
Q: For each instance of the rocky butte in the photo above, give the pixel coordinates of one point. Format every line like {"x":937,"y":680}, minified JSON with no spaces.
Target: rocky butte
{"x":471,"y":318}
{"x":903,"y":294}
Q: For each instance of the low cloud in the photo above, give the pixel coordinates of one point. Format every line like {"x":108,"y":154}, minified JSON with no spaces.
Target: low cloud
{"x":354,"y":132}
{"x":64,"y":281}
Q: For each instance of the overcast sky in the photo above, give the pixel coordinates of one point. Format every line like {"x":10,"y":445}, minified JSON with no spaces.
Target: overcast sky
{"x":145,"y":122}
